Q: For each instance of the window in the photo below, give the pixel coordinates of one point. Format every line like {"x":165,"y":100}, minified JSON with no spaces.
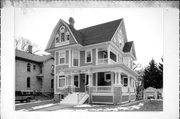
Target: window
{"x":88,"y":56}
{"x":57,"y":38}
{"x":28,"y":67}
{"x":52,"y":83}
{"x":52,"y":68}
{"x":62,"y":37}
{"x":76,"y":81}
{"x":107,"y":77}
{"x":113,"y":56}
{"x":125,"y":81}
{"x":62,"y":30}
{"x":75,"y":58}
{"x":62,"y":81}
{"x":62,"y":57}
{"x":34,"y":67}
{"x":28,"y":82}
{"x":41,"y":69}
{"x":67,"y":36}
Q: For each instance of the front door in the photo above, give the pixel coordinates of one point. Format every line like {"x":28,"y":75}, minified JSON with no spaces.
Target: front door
{"x":79,"y":82}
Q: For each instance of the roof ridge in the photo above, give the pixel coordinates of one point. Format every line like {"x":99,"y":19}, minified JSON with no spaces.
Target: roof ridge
{"x":99,"y":24}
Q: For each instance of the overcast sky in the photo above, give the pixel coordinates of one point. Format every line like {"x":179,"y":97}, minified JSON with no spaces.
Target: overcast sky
{"x":143,"y":26}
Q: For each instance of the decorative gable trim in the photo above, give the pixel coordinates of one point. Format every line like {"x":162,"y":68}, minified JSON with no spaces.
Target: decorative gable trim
{"x":54,"y":33}
{"x":121,"y":25}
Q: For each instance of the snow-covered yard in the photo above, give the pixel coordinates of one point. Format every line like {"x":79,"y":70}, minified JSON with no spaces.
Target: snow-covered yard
{"x":148,"y":105}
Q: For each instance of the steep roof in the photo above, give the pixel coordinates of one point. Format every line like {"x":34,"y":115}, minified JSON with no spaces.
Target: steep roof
{"x":127,"y":47}
{"x":95,"y":34}
{"x":32,"y":57}
{"x":99,"y":33}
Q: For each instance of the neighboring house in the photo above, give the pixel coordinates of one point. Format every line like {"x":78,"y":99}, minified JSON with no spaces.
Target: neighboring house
{"x":93,"y":63}
{"x":34,"y":72}
{"x":153,"y":92}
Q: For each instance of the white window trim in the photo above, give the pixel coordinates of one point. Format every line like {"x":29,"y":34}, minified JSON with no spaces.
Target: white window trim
{"x":60,"y":79}
{"x":59,"y":58}
{"x":127,"y":81}
{"x":105,"y":78}
{"x":67,"y":33}
{"x":65,"y":42}
{"x":78,"y":80}
{"x":86,"y":56}
{"x":73,"y":59}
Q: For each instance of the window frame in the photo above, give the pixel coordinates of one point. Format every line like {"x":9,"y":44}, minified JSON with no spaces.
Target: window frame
{"x":59,"y":63}
{"x":60,"y":77}
{"x":78,"y":53}
{"x":105,"y":77}
{"x":78,"y":80}
{"x":28,"y":82}
{"x":28,"y":67}
{"x":86,"y":54}
{"x":124,"y":83}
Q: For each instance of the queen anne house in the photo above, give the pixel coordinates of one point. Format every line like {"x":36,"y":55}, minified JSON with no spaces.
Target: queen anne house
{"x":93,"y":64}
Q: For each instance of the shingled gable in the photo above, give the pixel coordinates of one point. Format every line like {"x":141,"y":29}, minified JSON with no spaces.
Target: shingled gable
{"x":92,"y":35}
{"x":128,"y":46}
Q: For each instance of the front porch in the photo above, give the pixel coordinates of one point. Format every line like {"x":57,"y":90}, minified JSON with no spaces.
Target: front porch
{"x":110,"y":86}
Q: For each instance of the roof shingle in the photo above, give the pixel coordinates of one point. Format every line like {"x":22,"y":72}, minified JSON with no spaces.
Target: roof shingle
{"x":31,"y":57}
{"x":127,"y":46}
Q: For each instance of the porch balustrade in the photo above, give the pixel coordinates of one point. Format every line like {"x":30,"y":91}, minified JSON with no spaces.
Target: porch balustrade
{"x":101,"y":89}
{"x":103,"y":61}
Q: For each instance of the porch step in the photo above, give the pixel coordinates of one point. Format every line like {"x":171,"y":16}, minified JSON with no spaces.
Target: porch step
{"x":75,"y":98}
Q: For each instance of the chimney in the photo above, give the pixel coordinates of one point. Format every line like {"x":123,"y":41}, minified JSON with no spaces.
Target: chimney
{"x":30,"y":48}
{"x":71,"y":22}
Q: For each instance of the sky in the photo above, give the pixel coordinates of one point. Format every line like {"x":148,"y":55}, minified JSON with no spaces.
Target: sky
{"x":144,"y":26}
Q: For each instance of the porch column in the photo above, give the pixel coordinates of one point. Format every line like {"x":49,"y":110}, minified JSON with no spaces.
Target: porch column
{"x":108,"y":52}
{"x":72,"y":82}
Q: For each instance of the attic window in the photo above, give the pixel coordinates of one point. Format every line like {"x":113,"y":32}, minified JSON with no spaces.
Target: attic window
{"x":57,"y":38}
{"x":67,"y":36}
{"x":62,"y":30}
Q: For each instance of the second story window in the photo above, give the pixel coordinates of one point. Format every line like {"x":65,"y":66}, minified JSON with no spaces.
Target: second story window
{"x":28,"y":67}
{"x":88,"y":56}
{"x":75,"y":58}
{"x":62,"y":58}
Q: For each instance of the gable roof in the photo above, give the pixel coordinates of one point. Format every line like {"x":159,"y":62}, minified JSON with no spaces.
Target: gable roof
{"x":32,"y":57}
{"x":99,"y":33}
{"x":127,"y":46}
{"x":95,"y":34}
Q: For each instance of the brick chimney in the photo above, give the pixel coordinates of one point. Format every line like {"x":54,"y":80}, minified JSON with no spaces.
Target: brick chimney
{"x":30,"y":48}
{"x":71,"y":22}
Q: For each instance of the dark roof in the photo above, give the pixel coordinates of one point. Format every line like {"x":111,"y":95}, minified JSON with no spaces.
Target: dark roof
{"x":127,"y":46}
{"x":99,"y":33}
{"x":95,"y":34}
{"x":32,"y":57}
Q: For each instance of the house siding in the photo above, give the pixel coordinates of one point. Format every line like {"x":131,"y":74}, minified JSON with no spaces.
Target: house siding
{"x":71,"y":39}
{"x":61,"y":67}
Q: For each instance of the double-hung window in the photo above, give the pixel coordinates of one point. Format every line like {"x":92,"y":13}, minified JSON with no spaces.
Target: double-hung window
{"x":88,"y":56}
{"x":62,"y":57}
{"x":75,"y":58}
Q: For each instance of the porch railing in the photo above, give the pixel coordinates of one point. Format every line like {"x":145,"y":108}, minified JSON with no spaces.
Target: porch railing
{"x":103,"y":61}
{"x":101,"y":89}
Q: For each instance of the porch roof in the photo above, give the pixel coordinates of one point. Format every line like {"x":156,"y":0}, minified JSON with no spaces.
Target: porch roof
{"x":103,"y":67}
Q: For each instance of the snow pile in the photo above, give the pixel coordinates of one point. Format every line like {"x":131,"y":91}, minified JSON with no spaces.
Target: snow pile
{"x":85,"y":105}
{"x":42,"y":106}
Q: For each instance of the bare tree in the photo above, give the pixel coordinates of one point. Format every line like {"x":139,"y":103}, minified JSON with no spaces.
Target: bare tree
{"x":23,"y":43}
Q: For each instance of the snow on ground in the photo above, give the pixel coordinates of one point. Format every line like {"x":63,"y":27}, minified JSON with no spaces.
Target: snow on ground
{"x":118,"y":108}
{"x":87,"y":105}
{"x":42,"y":106}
